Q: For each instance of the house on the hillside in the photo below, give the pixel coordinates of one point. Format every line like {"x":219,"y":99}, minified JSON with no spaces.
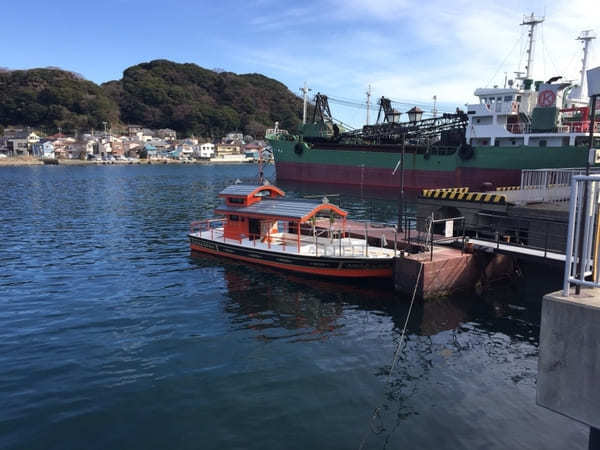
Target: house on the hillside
{"x":205,"y":151}
{"x":228,"y":149}
{"x":43,"y":149}
{"x":167,"y":134}
{"x":19,"y":143}
{"x":133,"y":130}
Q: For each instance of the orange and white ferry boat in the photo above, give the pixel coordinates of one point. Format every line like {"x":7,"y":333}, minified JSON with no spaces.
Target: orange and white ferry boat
{"x":258,"y":225}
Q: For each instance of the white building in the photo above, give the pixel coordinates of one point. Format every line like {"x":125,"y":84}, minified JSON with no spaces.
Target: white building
{"x":205,"y":151}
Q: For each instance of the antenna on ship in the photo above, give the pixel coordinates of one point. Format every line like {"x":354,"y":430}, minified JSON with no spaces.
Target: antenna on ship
{"x":531,"y":22}
{"x":368,"y":103}
{"x":305,"y":90}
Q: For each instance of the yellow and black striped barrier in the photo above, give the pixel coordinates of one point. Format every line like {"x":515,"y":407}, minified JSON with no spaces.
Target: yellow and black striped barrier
{"x":436,"y":192}
{"x":481,"y":197}
{"x":508,"y":188}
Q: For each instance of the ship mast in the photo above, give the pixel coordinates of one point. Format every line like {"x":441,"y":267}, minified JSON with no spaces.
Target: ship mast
{"x":531,"y":22}
{"x":368,"y":103}
{"x":585,"y":36}
{"x":305,"y":90}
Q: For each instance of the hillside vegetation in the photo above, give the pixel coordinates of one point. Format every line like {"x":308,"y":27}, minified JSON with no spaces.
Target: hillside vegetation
{"x":53,"y":98}
{"x":158,"y":94}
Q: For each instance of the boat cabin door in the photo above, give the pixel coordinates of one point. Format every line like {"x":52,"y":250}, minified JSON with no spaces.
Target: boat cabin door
{"x":254,"y":228}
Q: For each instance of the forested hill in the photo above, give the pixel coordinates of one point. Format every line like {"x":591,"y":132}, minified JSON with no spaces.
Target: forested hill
{"x":52,"y":98}
{"x":158,"y":94}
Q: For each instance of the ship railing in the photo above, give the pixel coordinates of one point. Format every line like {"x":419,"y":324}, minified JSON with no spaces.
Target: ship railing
{"x":273,"y":132}
{"x":583,"y":234}
{"x":566,"y":127}
{"x":518,"y":128}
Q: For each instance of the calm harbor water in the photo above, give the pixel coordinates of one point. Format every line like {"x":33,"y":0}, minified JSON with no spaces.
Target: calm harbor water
{"x":113,"y":336}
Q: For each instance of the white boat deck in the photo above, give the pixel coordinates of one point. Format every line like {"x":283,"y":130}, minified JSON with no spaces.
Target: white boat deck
{"x":287,"y":243}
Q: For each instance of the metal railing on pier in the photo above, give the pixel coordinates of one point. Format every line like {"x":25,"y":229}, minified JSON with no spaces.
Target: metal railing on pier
{"x":546,"y":185}
{"x":583,"y":235}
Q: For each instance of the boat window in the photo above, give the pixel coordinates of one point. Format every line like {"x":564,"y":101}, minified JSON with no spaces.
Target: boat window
{"x":508,"y":98}
{"x":513,"y":142}
{"x":543,"y":143}
{"x":236,"y":200}
{"x":234,"y":218}
{"x":497,"y":143}
{"x":498,"y":99}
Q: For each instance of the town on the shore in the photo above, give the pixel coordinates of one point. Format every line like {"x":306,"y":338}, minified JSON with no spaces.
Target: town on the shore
{"x":133,"y":144}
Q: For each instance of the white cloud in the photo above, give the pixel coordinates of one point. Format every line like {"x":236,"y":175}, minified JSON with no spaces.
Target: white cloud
{"x":409,"y":51}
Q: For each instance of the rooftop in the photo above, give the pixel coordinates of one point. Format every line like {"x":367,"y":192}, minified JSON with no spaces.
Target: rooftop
{"x":288,"y":209}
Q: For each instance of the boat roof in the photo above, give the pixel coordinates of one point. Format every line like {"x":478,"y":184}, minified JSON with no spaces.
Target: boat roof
{"x":281,"y":209}
{"x":245,"y":190}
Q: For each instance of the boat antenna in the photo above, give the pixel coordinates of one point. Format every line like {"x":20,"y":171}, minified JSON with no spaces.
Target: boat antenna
{"x":531,"y":22}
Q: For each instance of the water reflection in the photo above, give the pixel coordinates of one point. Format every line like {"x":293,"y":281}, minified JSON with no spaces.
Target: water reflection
{"x":270,"y":298}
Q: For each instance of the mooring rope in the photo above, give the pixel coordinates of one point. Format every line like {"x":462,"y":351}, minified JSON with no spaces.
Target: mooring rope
{"x":376,"y":411}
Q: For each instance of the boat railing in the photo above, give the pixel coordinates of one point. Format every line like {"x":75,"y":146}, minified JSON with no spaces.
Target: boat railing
{"x":204,"y":225}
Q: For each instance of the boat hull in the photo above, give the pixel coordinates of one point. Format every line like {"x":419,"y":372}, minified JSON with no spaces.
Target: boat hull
{"x":381,"y":167}
{"x":314,"y":265}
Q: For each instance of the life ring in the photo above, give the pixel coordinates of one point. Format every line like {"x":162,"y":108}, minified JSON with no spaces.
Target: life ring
{"x":465,"y":151}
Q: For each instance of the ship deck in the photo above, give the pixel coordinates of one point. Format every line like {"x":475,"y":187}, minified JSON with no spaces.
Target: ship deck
{"x":287,"y":243}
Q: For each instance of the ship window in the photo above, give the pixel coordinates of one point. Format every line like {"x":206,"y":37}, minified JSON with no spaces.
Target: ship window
{"x":518,"y":98}
{"x":498,"y":99}
{"x":497,"y":143}
{"x":513,"y":142}
{"x":234,"y":218}
{"x":543,"y":143}
{"x":508,"y":98}
{"x":236,"y":200}
{"x":478,"y":120}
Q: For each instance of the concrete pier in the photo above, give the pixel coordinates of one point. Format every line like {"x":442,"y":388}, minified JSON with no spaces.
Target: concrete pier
{"x":449,"y":270}
{"x":569,"y":360}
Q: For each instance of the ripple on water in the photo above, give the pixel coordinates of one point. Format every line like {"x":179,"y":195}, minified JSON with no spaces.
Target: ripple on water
{"x":113,"y":336}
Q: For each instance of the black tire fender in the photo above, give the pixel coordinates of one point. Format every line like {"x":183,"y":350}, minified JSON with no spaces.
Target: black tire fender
{"x":465,"y":151}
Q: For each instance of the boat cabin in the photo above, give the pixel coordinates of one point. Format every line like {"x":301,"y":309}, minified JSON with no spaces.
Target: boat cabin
{"x":259,"y":212}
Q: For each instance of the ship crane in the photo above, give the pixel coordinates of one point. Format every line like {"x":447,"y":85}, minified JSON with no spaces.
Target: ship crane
{"x":447,"y":126}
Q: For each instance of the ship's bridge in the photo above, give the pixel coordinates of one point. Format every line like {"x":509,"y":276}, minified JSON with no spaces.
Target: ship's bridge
{"x":496,"y":102}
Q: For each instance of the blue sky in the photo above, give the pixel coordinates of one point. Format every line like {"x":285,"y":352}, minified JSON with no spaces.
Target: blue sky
{"x":406,"y":50}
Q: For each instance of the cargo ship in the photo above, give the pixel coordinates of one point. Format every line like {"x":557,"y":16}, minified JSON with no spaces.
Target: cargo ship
{"x":526,"y":124}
